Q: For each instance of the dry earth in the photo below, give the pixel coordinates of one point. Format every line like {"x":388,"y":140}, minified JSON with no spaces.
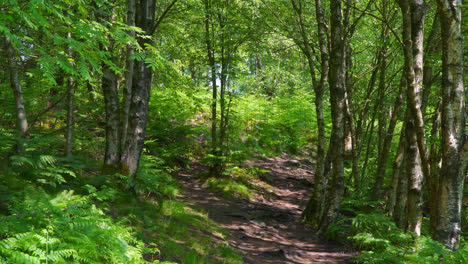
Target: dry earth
{"x":267,"y":230}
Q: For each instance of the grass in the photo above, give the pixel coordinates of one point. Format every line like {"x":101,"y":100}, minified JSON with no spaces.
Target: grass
{"x":239,"y":182}
{"x":229,"y":187}
{"x":181,"y":233}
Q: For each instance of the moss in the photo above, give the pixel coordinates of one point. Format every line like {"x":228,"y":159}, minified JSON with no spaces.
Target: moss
{"x":124,"y":169}
{"x":119,"y":168}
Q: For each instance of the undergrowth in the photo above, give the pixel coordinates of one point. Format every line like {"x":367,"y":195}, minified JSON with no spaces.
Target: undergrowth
{"x":61,"y":210}
{"x":379,"y":240}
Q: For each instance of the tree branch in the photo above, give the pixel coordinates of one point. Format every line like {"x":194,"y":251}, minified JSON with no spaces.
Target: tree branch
{"x":162,"y":16}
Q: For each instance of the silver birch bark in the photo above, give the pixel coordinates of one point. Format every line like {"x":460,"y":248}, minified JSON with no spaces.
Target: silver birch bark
{"x":451,"y":179}
{"x":15,"y":84}
{"x":413,"y":35}
{"x":337,"y":99}
{"x":432,"y":48}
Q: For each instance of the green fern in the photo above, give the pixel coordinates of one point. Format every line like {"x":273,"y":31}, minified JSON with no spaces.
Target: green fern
{"x":43,"y":169}
{"x":153,"y":177}
{"x":381,"y":241}
{"x":64,"y":228}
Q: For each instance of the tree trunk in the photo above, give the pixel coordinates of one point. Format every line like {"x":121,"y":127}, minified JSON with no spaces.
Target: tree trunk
{"x":364,"y":111}
{"x":353,"y":148}
{"x":369,"y":135}
{"x":337,"y":99}
{"x":417,"y":159}
{"x":321,"y":178}
{"x":110,"y":91}
{"x":312,"y":212}
{"x":69,"y":130}
{"x":15,"y":84}
{"x":349,"y":119}
{"x":70,"y":123}
{"x":141,"y":85}
{"x":433,"y":178}
{"x":399,"y":214}
{"x":414,"y":91}
{"x":129,"y":65}
{"x":415,"y":179}
{"x":397,"y":167}
{"x":387,"y":142}
{"x":451,"y":181}
{"x":113,"y":129}
{"x":211,"y":61}
{"x":432,"y":49}
{"x":222,"y":92}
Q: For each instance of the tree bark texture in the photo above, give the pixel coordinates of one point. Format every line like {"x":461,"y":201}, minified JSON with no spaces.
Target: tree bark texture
{"x":433,"y":178}
{"x":70,"y":124}
{"x":113,"y":128}
{"x":413,"y":13}
{"x":129,"y":65}
{"x":70,"y":99}
{"x":141,"y":85}
{"x":399,"y":213}
{"x":110,"y":89}
{"x":397,"y":167}
{"x":337,"y":99}
{"x":414,"y":205}
{"x":15,"y":84}
{"x":319,"y":90}
{"x":350,"y":133}
{"x":431,"y":49}
{"x":312,"y":213}
{"x":451,"y":179}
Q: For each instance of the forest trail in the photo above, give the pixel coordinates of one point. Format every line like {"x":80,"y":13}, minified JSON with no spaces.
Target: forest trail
{"x":267,"y":230}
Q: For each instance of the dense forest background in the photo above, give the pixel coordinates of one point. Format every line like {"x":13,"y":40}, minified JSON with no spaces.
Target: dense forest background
{"x":104,"y":102}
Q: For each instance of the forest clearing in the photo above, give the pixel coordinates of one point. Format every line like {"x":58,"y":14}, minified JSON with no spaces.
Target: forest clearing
{"x":233,"y":131}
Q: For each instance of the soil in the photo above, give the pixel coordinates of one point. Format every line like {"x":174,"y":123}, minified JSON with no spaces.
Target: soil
{"x":269,"y":228}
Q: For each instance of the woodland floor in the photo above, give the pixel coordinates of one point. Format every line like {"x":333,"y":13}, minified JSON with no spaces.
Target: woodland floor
{"x":267,"y":229}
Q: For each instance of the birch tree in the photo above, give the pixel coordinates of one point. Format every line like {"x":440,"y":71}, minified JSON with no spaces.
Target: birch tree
{"x":452,"y":174}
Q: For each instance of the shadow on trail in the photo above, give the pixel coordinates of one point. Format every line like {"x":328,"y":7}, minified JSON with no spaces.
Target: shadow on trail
{"x":267,"y":230}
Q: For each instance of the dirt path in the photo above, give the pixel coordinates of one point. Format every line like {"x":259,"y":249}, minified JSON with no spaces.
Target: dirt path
{"x":267,"y":230}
